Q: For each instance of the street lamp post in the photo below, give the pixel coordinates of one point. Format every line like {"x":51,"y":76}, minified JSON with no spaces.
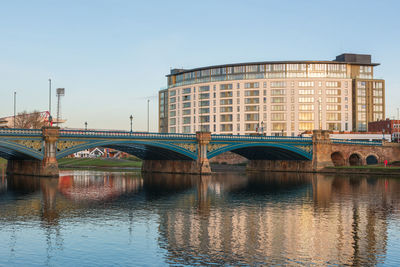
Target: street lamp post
{"x":85,"y":125}
{"x":15,"y":107}
{"x":148,"y":115}
{"x":50,"y":97}
{"x":131,"y":118}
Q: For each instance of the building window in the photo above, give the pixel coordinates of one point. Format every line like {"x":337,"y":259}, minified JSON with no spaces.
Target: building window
{"x":278,"y":108}
{"x":204,"y":88}
{"x":204,"y":110}
{"x":225,"y":109}
{"x":278,"y":116}
{"x":306,"y":116}
{"x":306,"y":99}
{"x":251,"y":85}
{"x":278,"y":84}
{"x":333,"y":116}
{"x":226,"y":94}
{"x":278,"y":100}
{"x":225,"y":118}
{"x":226,"y":127}
{"x":306,"y":126}
{"x":186,"y":91}
{"x":186,"y":98}
{"x":278,"y":126}
{"x":306,"y":91}
{"x":306,"y":84}
{"x":332,"y":84}
{"x":225,"y":86}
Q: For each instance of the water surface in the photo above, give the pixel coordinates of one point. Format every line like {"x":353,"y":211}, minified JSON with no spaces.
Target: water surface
{"x":94,"y":218}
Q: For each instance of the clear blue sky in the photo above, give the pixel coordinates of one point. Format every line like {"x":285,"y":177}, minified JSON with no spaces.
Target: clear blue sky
{"x":111,"y":55}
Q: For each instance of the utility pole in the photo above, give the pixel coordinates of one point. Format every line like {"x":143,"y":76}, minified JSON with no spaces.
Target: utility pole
{"x":131,"y":118}
{"x":50,"y":97}
{"x":148,"y":115}
{"x":50,"y":117}
{"x":15,"y":107}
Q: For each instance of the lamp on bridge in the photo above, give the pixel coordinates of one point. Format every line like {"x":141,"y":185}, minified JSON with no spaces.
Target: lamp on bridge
{"x":262,"y":128}
{"x":131,"y":118}
{"x":85,"y":125}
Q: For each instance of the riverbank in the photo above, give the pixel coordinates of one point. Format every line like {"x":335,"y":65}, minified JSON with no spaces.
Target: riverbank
{"x":67,"y":163}
{"x":369,"y":169}
{"x":123,"y":164}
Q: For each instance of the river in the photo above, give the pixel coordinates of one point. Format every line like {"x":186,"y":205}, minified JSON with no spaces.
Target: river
{"x":97,"y":218}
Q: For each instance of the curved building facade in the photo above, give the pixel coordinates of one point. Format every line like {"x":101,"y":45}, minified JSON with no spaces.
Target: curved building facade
{"x":273,"y":98}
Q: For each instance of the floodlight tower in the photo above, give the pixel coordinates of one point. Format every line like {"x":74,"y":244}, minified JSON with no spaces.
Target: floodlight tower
{"x":60,"y":93}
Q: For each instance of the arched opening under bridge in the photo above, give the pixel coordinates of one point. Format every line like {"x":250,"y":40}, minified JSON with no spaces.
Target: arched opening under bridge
{"x":371,"y":160}
{"x":261,"y":151}
{"x":338,"y":159}
{"x":355,"y":160}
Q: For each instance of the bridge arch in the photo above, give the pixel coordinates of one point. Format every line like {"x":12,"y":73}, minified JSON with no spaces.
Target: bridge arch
{"x":12,"y":150}
{"x":338,"y":159}
{"x":355,"y":159}
{"x":142,"y":149}
{"x":264,"y":151}
{"x":371,"y":159}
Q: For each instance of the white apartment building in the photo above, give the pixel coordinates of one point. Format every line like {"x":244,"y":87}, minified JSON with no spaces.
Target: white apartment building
{"x":272,"y":98}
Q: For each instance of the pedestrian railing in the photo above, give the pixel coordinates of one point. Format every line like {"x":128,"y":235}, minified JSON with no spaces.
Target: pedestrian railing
{"x":21,"y":132}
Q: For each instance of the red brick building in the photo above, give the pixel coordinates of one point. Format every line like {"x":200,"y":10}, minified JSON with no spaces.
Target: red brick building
{"x":386,"y":126}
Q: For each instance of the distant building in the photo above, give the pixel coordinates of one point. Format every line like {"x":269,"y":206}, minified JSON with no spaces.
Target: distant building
{"x":273,"y":98}
{"x":356,"y":136}
{"x":387,"y":126}
{"x":90,"y":153}
{"x":362,"y":136}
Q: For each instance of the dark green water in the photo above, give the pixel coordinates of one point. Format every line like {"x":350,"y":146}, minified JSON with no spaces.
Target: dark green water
{"x":90,"y":218}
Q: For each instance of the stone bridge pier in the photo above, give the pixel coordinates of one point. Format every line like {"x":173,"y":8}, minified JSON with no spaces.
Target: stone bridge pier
{"x":46,"y":167}
{"x":200,"y":166}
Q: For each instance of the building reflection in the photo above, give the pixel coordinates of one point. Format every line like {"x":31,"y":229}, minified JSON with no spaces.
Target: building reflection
{"x":50,"y":197}
{"x":50,"y":200}
{"x":83,"y":186}
{"x":279,"y":216}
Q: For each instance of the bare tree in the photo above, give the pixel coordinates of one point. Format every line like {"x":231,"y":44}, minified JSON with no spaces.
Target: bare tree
{"x":32,"y":120}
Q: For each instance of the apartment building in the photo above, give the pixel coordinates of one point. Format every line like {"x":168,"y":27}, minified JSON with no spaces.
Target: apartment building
{"x":273,"y":98}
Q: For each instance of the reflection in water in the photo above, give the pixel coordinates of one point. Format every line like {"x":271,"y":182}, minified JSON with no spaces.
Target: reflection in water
{"x":268,"y":218}
{"x":86,"y":186}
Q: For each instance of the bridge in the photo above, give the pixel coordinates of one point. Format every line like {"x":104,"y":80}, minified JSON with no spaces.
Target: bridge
{"x":36,"y":152}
